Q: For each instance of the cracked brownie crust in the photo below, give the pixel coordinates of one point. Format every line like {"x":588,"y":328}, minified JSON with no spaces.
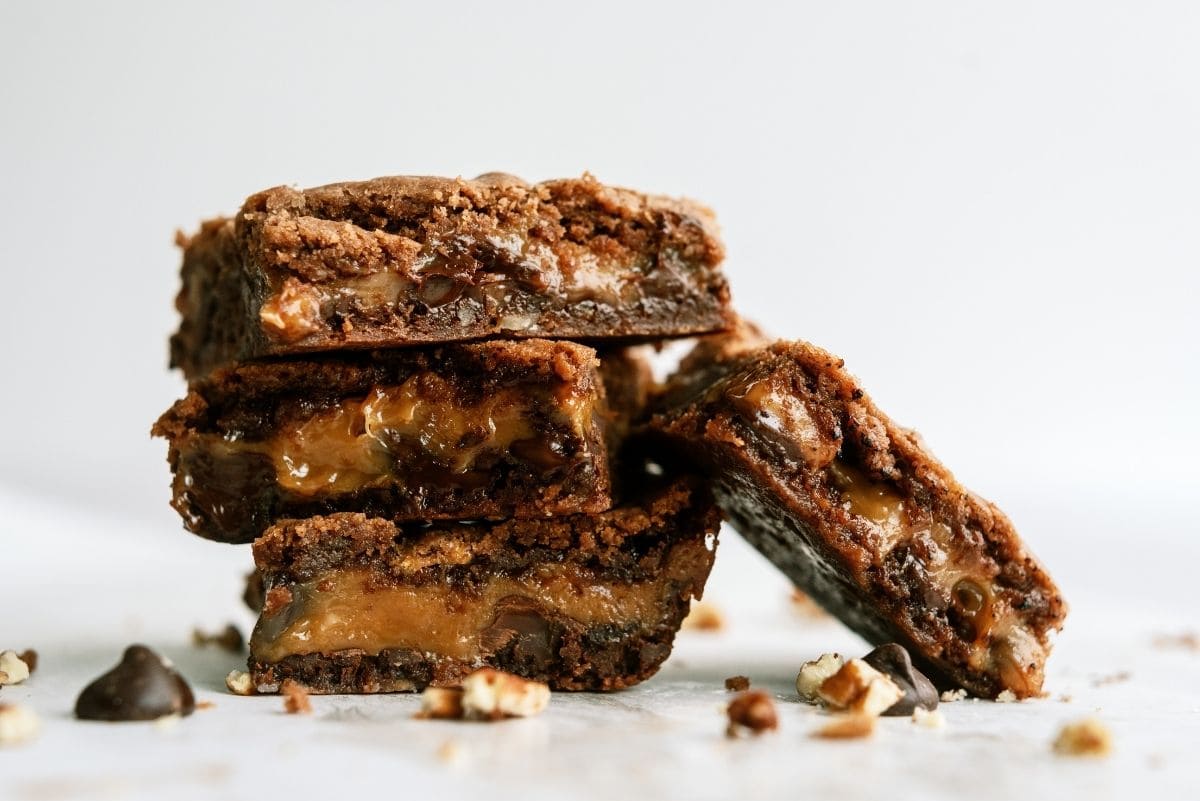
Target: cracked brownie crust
{"x":584,"y":602}
{"x":416,"y":260}
{"x":858,"y":513}
{"x":493,"y":429}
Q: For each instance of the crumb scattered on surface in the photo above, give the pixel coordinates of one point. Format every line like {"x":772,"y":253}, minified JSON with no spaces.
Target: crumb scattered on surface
{"x":30,"y":658}
{"x":1187,"y":641}
{"x":1112,"y":678}
{"x":804,"y":606}
{"x":860,"y":689}
{"x":13,"y":669}
{"x":1066,"y":698}
{"x":737,"y":683}
{"x":953,"y":695}
{"x":441,"y":703}
{"x":17,"y":724}
{"x":1088,"y":737}
{"x":1006,"y":697}
{"x":295,"y":698}
{"x":238,"y":682}
{"x":814,"y":673}
{"x":451,"y":752}
{"x":846,"y":727}
{"x":752,"y":711}
{"x":704,"y":617}
{"x":228,"y":639}
{"x":204,"y":705}
{"x":928,"y":719}
{"x":490,"y":694}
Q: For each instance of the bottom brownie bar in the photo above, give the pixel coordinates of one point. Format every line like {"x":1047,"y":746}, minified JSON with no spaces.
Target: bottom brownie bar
{"x":586,"y":602}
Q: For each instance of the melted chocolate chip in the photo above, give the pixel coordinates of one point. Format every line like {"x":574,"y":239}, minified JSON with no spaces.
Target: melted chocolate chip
{"x":893,"y":660}
{"x":520,"y":625}
{"x":143,"y":686}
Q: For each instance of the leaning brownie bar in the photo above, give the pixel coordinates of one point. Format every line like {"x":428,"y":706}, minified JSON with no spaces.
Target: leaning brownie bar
{"x":587,"y":602}
{"x":858,"y":514}
{"x":415,"y":260}
{"x":491,"y":429}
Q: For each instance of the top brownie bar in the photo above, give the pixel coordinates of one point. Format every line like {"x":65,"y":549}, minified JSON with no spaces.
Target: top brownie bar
{"x":417,"y":260}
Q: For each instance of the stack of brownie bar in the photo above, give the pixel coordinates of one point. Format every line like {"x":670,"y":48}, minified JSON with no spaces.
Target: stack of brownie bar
{"x":390,"y":396}
{"x":416,"y":396}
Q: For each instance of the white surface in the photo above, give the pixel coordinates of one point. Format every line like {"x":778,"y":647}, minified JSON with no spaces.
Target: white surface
{"x":989,"y":209}
{"x":661,"y":739}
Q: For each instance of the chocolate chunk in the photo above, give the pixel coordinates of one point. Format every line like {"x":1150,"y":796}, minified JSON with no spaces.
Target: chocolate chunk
{"x":143,"y":686}
{"x":893,"y":660}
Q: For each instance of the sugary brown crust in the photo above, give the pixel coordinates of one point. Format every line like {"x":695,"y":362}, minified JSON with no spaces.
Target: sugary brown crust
{"x":234,"y":501}
{"x":783,"y":502}
{"x":472,"y":259}
{"x":668,"y":539}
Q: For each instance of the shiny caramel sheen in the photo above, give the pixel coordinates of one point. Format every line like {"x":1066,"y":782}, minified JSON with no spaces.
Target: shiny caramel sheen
{"x":351,"y":608}
{"x":357,"y":442}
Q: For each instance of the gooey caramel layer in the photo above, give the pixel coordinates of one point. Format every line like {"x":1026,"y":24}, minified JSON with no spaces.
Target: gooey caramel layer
{"x":445,"y":271}
{"x":343,"y":609}
{"x":955,"y":569}
{"x":418,"y":427}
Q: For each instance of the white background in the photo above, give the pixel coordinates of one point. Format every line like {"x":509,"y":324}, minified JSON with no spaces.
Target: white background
{"x":990,"y":210}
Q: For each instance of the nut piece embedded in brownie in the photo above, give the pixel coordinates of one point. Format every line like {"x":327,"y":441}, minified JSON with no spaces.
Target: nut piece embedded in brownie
{"x":858,"y":513}
{"x":490,"y":429}
{"x":419,"y":260}
{"x":585,"y":602}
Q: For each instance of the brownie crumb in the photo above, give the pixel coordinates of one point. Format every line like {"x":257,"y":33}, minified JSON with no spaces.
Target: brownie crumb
{"x":737,"y":684}
{"x":1113,"y":678}
{"x":204,"y":705}
{"x":1187,"y":641}
{"x":751,"y":711}
{"x":953,"y":695}
{"x":1087,"y":738}
{"x":704,"y":617}
{"x":295,"y":698}
{"x":229,"y":639}
{"x":847,"y":727}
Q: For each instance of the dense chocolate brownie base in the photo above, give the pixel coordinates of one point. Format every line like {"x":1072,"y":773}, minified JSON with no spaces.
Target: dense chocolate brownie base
{"x":492,"y":429}
{"x":413,"y":260}
{"x":857,"y":512}
{"x":647,"y":558}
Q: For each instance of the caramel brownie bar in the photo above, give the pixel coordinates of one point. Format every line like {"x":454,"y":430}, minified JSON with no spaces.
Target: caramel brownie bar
{"x":859,"y":514}
{"x":414,"y":260}
{"x":355,"y":604}
{"x":490,"y":429}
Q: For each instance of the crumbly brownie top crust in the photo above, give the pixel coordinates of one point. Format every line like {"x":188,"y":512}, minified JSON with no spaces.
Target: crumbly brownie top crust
{"x":419,"y":260}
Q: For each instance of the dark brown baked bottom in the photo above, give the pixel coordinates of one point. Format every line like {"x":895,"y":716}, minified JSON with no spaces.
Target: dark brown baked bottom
{"x":428,"y":605}
{"x":858,"y":513}
{"x":411,"y":260}
{"x":493,"y":429}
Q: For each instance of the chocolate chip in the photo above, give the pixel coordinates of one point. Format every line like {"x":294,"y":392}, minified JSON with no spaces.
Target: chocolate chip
{"x":893,"y":660}
{"x":143,"y":686}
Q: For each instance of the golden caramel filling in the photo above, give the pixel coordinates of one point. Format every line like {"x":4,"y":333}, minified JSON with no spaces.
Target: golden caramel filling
{"x":419,"y":426}
{"x":955,"y":568}
{"x":346,"y":609}
{"x":779,"y":415}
